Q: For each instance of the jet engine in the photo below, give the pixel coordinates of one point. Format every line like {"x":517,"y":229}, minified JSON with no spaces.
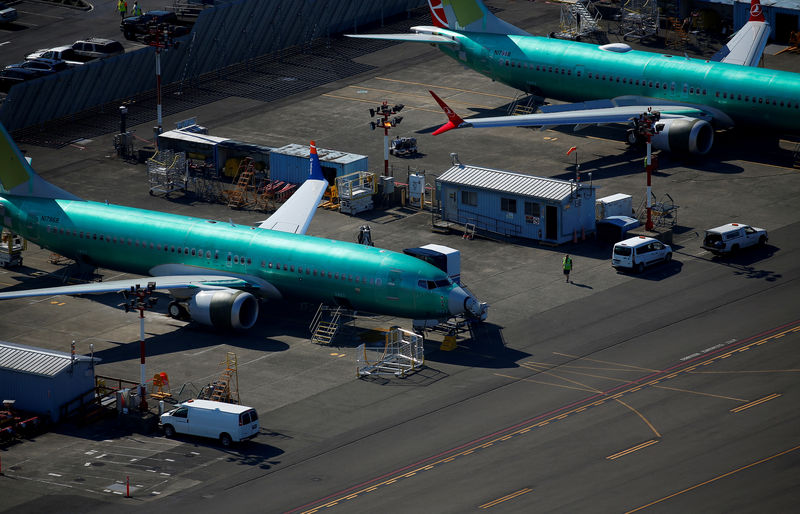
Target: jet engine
{"x":224,"y":309}
{"x":684,"y":135}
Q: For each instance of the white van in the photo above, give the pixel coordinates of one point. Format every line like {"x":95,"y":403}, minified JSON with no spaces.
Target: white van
{"x":218,"y":420}
{"x":637,"y":252}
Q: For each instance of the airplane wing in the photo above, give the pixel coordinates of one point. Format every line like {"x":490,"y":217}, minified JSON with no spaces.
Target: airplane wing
{"x":599,"y":112}
{"x":295,"y":214}
{"x":161,"y":283}
{"x":415,"y":38}
{"x":747,"y":46}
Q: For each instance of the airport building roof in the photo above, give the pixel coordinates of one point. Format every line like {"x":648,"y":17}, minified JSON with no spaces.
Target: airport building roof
{"x":37,"y":361}
{"x":508,"y":182}
{"x":325,"y":155}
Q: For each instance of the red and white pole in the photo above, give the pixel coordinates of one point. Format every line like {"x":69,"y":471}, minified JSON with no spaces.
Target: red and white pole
{"x":142,"y":382}
{"x":386,"y":146}
{"x":649,"y":224}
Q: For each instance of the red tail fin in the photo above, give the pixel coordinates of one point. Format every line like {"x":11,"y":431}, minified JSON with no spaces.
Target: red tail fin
{"x":453,"y":119}
{"x":438,"y":15}
{"x":756,"y":11}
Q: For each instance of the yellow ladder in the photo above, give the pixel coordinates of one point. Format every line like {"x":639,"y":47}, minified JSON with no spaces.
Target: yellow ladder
{"x":244,"y":184}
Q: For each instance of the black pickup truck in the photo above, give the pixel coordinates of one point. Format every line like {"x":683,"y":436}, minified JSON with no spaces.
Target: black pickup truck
{"x":134,"y":27}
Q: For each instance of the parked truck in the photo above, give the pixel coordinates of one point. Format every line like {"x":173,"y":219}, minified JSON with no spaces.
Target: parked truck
{"x":732,"y":237}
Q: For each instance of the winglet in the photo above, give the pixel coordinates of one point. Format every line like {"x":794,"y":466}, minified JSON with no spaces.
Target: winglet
{"x":316,"y":170}
{"x":453,"y":119}
{"x":756,"y":11}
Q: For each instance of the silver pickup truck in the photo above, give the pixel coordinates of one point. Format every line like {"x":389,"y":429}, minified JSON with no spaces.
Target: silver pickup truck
{"x":732,"y":237}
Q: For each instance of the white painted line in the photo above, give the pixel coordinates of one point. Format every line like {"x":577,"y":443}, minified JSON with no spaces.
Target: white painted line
{"x":134,"y":460}
{"x":170,"y":460}
{"x":54,"y":474}
{"x":117,"y":492}
{"x":155,"y":493}
{"x":194,"y":453}
{"x":88,"y":464}
{"x":165,"y":474}
{"x":5,"y":43}
{"x":151,"y":471}
{"x":101,"y":456}
{"x":90,"y":452}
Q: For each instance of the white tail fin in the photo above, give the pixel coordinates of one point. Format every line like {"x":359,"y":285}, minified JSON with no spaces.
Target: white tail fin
{"x":469,"y":16}
{"x":17,"y":176}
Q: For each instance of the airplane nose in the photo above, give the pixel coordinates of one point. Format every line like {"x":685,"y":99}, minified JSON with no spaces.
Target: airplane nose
{"x":457,"y":301}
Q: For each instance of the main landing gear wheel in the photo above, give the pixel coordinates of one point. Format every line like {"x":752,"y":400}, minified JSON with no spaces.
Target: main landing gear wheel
{"x":177,"y":311}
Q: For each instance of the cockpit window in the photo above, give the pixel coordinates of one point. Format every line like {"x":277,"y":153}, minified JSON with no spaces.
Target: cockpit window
{"x":427,"y":284}
{"x":443,"y":282}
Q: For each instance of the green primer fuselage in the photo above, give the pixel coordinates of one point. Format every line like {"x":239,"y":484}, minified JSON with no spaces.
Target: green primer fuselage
{"x":300,"y":267}
{"x":573,"y":71}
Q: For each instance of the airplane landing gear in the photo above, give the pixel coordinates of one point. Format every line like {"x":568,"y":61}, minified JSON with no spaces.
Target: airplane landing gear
{"x":177,"y":310}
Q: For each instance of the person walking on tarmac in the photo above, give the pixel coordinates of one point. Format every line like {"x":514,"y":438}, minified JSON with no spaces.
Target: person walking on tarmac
{"x":566,"y":263}
{"x":137,"y":11}
{"x":122,"y":7}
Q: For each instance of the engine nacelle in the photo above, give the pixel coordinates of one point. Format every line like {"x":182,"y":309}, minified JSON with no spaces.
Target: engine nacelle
{"x":684,"y":135}
{"x":224,"y":309}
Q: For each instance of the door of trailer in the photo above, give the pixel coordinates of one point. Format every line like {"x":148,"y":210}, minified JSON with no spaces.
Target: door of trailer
{"x":551,"y":222}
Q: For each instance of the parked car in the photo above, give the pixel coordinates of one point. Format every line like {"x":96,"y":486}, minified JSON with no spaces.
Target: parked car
{"x":226,"y":422}
{"x":42,"y":66}
{"x":135,"y":26}
{"x":7,"y":14}
{"x":638,"y":252}
{"x":732,"y":237}
{"x":97,"y":48}
{"x":59,"y":53}
{"x":12,"y":76}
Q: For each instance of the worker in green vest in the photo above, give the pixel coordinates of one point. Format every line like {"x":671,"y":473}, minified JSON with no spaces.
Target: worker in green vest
{"x":566,"y":263}
{"x":137,"y":11}
{"x":122,"y":7}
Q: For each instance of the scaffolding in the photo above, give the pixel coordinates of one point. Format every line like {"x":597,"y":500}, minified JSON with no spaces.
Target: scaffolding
{"x":355,"y":192}
{"x":579,"y":18}
{"x":167,"y":172}
{"x":638,"y":19}
{"x":204,"y":182}
{"x":402,"y":354}
{"x":226,"y":387}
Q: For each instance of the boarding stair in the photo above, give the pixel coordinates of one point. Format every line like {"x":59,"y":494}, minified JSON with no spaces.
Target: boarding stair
{"x":239,"y":196}
{"x":402,"y":353}
{"x":326,"y":323}
{"x":523,"y":104}
{"x":579,"y":18}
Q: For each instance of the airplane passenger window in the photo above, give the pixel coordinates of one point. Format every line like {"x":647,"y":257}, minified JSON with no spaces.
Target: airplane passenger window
{"x":236,"y":259}
{"x":329,"y":274}
{"x":300,"y":269}
{"x":186,"y":250}
{"x":208,"y":254}
{"x":193,"y":251}
{"x":291,"y":268}
{"x":336,"y":275}
{"x":249,"y":260}
{"x":270,"y":265}
{"x":172,"y":249}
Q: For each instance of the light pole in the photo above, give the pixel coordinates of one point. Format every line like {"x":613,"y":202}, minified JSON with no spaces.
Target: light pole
{"x":385,"y":111}
{"x":141,"y":299}
{"x":646,"y":126}
{"x":160,"y":38}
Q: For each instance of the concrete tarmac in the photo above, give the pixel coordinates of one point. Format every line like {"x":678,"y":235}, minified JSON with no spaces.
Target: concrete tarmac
{"x":668,"y":390}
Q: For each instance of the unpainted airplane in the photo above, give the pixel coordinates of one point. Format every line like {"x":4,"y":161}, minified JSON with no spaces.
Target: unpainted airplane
{"x":615,"y":84}
{"x":218,"y":271}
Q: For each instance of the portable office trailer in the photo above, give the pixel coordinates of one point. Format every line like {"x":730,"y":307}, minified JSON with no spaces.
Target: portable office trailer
{"x":290,"y":163}
{"x":514,"y":204}
{"x":43,"y":381}
{"x":217,"y":150}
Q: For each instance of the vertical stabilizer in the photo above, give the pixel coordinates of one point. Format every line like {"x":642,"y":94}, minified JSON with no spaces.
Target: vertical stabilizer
{"x":470,"y":16}
{"x":17,"y":176}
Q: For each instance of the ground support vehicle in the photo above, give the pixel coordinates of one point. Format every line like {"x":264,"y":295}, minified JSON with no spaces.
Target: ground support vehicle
{"x":639,"y":252}
{"x":733,"y":237}
{"x":227,"y":422}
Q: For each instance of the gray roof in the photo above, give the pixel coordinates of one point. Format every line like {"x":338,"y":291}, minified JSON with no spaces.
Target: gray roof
{"x":325,"y":155}
{"x":507,"y":182}
{"x":26,"y":359}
